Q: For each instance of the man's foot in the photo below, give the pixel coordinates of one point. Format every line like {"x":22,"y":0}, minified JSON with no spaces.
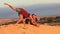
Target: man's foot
{"x":24,"y":28}
{"x":37,"y":25}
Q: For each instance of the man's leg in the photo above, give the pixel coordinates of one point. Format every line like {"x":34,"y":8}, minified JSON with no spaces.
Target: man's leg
{"x":18,"y":21}
{"x":24,"y":22}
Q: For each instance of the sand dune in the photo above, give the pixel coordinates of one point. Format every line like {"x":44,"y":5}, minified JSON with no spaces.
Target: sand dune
{"x":29,"y":29}
{"x":6,"y":21}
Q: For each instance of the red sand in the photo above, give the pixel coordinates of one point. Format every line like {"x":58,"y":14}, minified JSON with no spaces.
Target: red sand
{"x":29,"y":29}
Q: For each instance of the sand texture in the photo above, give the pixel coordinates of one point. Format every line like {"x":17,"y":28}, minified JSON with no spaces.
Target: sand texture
{"x":29,"y":29}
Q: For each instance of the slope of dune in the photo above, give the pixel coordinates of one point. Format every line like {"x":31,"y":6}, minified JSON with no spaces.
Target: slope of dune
{"x":6,"y":21}
{"x":29,"y":29}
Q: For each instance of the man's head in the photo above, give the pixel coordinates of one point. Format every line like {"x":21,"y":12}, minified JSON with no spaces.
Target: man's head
{"x":33,"y":15}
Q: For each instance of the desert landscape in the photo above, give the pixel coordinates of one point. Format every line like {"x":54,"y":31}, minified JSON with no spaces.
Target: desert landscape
{"x":28,"y":29}
{"x":44,"y":12}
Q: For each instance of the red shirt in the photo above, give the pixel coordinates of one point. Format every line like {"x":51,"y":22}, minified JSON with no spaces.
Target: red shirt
{"x":24,"y":13}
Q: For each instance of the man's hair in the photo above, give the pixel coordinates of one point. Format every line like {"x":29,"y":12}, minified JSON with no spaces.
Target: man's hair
{"x":33,"y":14}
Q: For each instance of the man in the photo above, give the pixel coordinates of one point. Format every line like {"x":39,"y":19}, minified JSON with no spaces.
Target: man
{"x":21,"y":12}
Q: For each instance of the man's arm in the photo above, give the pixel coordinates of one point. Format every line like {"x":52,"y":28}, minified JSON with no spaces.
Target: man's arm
{"x":10,"y":6}
{"x":20,"y":18}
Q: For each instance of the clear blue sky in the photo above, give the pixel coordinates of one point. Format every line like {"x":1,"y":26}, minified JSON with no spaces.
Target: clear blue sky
{"x":27,"y":2}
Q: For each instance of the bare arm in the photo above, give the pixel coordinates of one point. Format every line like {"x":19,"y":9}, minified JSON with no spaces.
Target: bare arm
{"x":10,"y":6}
{"x":20,"y":18}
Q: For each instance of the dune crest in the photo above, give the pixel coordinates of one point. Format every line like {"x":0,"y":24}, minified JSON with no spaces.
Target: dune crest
{"x":29,"y":29}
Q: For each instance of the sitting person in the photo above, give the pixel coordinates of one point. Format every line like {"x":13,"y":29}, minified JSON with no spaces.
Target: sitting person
{"x":34,"y":19}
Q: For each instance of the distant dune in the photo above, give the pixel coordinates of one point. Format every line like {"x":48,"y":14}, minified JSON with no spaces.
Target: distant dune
{"x":29,"y":29}
{"x":6,"y":21}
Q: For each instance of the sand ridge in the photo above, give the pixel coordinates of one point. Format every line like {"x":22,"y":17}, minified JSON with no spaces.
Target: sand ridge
{"x":29,"y":29}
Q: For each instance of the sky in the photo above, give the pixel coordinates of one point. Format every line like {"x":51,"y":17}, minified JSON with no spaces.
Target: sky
{"x":27,"y":2}
{"x":29,"y":5}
